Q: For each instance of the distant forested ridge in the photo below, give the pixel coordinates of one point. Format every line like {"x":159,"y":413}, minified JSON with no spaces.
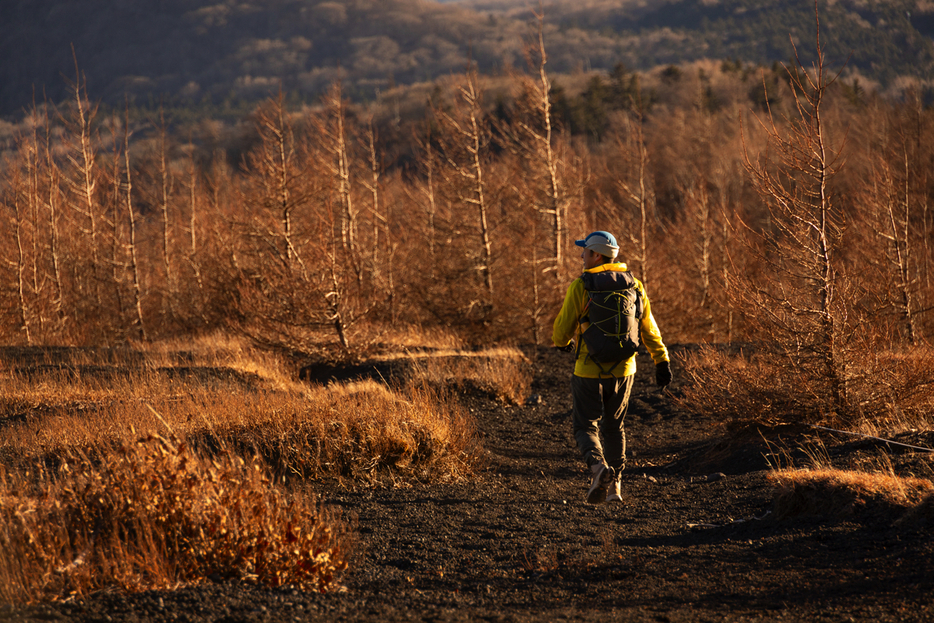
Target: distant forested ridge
{"x":189,"y":52}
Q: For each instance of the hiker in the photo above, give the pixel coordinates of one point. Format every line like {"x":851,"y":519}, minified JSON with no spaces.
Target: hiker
{"x":600,"y":389}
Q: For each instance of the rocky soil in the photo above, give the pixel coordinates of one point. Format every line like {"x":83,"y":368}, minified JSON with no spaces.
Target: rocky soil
{"x":694,"y":539}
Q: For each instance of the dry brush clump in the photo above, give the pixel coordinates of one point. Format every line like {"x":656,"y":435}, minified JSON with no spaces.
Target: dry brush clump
{"x":738,"y":387}
{"x":153,"y":514}
{"x":760,"y":387}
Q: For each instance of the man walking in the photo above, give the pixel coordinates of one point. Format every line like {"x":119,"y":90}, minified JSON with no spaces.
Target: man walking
{"x":600,"y":390}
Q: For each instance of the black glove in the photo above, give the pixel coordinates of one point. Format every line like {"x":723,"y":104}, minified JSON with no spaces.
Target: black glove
{"x":663,"y":374}
{"x":567,"y":349}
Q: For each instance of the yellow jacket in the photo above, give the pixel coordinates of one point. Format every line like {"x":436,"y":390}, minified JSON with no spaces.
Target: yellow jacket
{"x":568,"y":326}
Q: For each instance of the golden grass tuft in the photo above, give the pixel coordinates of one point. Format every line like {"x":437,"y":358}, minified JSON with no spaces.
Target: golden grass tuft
{"x":152,"y":514}
{"x":407,"y":336}
{"x":504,"y":373}
{"x":841,"y":493}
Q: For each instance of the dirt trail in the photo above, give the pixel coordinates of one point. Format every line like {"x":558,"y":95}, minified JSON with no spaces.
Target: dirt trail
{"x":693,"y":540}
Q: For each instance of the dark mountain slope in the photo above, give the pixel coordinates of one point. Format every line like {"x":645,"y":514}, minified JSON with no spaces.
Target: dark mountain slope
{"x":191,"y":51}
{"x":880,"y":39}
{"x":199,"y":49}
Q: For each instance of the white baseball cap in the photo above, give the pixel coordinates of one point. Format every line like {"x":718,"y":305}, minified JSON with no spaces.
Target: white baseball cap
{"x":601,"y":242}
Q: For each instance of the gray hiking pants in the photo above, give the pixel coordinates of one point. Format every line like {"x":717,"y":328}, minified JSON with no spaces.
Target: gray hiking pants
{"x":599,"y":408}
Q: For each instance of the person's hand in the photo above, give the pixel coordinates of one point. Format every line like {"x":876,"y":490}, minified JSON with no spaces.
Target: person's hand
{"x":569,"y":348}
{"x":663,"y":374}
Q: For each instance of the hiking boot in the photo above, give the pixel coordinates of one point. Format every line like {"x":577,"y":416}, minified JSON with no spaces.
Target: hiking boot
{"x":603,"y":476}
{"x":612,"y":494}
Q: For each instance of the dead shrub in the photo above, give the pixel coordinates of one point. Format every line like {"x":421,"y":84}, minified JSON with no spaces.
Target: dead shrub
{"x":741,"y":387}
{"x":152,"y":514}
{"x":899,"y":394}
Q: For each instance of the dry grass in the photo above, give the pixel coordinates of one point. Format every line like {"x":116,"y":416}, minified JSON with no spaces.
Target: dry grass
{"x":223,"y":394}
{"x":840,"y":493}
{"x":401,"y":337}
{"x":894,"y":394}
{"x":156,"y":467}
{"x":891,"y":391}
{"x":152,"y":514}
{"x":504,"y":373}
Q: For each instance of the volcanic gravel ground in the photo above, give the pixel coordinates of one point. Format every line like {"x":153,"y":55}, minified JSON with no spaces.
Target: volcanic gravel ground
{"x":693,"y":540}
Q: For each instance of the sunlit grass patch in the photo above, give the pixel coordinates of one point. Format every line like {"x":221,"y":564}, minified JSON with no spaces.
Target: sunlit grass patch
{"x":153,"y":514}
{"x":842,"y":493}
{"x":361,"y":431}
{"x":504,"y":373}
{"x":407,"y":337}
{"x":234,"y":397}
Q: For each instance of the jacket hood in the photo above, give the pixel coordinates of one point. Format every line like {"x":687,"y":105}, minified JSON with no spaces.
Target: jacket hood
{"x":612,"y":266}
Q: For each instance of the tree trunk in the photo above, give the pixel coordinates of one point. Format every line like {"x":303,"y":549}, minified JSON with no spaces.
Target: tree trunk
{"x":165,"y":178}
{"x":21,"y":267}
{"x":131,"y":218}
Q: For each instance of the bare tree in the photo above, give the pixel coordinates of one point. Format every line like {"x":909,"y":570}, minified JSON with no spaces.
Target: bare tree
{"x":35,"y":204}
{"x":428,"y":161}
{"x":113,"y":213}
{"x":166,"y":183}
{"x":703,"y":159}
{"x":535,"y":140}
{"x":699,"y":211}
{"x":885,"y":206}
{"x":796,"y":299}
{"x":381,"y":267}
{"x":334,"y":299}
{"x":131,"y":221}
{"x":333,"y":133}
{"x":466,"y":141}
{"x":53,"y":198}
{"x":15,"y":201}
{"x":378,"y":220}
{"x":636,"y":189}
{"x":276,"y":165}
{"x":194,"y":207}
{"x":84,"y":177}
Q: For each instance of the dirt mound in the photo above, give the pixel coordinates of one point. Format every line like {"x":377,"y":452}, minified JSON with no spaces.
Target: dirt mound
{"x":694,"y":539}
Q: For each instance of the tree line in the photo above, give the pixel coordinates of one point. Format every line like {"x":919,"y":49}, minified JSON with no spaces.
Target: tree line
{"x":339,"y":221}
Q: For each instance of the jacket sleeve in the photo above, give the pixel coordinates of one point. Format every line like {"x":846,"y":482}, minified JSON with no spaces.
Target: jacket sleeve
{"x":651,"y":335}
{"x":569,"y":316}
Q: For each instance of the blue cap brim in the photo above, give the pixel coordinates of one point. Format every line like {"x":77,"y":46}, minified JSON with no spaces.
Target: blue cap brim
{"x":581,"y":243}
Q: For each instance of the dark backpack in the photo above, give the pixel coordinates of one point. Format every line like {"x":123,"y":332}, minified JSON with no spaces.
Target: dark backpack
{"x":614,"y":308}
